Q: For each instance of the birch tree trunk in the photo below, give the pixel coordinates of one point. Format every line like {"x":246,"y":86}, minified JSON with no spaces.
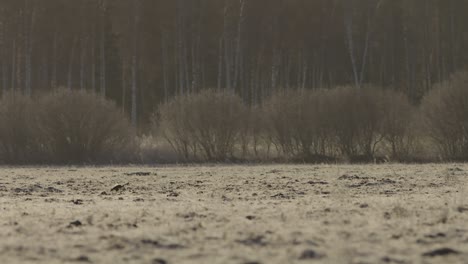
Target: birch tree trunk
{"x":348,"y":23}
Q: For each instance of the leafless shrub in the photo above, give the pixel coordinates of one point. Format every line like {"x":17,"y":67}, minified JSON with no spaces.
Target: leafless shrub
{"x":399,"y":126}
{"x":298,"y":125}
{"x":82,"y":127}
{"x":356,"y":115}
{"x":210,"y":122}
{"x":259,"y":133}
{"x":172,"y":123}
{"x":19,"y":130}
{"x":445,"y":111}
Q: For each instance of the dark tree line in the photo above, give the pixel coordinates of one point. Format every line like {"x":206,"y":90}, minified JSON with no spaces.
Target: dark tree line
{"x":142,"y":52}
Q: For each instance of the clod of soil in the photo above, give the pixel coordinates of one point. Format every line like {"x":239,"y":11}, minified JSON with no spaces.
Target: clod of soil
{"x":441,"y":252}
{"x":158,"y":261}
{"x":160,"y":245}
{"x":436,"y":235}
{"x":462,"y":209}
{"x":119,"y":187}
{"x":310,"y":254}
{"x":317,"y":182}
{"x":139,"y":173}
{"x":75,"y":224}
{"x":253,"y":241}
{"x":77,"y":201}
{"x":392,"y":260}
{"x":83,"y":259}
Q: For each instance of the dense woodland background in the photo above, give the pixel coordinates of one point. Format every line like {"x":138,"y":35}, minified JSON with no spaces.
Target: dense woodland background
{"x":142,"y":52}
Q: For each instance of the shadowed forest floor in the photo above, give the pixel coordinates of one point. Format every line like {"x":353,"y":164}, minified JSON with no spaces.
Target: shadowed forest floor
{"x":235,"y":214}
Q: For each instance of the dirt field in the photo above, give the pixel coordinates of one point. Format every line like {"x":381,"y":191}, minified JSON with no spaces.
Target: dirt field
{"x":235,"y":214}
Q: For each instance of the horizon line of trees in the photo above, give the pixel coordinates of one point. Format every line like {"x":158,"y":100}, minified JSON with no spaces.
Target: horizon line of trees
{"x":140,"y":53}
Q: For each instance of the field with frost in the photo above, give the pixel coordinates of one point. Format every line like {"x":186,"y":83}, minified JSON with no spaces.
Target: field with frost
{"x":235,"y":214}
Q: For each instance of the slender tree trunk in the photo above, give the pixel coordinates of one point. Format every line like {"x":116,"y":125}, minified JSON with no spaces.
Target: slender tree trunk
{"x":3,"y":51}
{"x":238,"y":54}
{"x":102,"y":45}
{"x":164,"y":58}
{"x":93,"y":60}
{"x":82,"y":64}
{"x":124,"y":84}
{"x":220,"y":64}
{"x":227,"y":46}
{"x":13,"y":66}
{"x":29,"y":49}
{"x":348,"y":23}
{"x":136,"y":21}
{"x":179,"y":52}
{"x":55,"y":62}
{"x":45,"y":70}
{"x":4,"y":75}
{"x":70,"y":65}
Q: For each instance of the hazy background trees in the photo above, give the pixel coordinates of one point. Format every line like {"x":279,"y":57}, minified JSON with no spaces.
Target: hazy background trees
{"x":138,"y":52}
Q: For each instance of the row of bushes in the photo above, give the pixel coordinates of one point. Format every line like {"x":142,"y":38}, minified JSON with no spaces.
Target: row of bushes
{"x":346,"y":123}
{"x":343,"y":124}
{"x":314,"y":126}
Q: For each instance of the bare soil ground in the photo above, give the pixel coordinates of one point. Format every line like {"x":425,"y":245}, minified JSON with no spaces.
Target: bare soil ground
{"x":235,"y":214}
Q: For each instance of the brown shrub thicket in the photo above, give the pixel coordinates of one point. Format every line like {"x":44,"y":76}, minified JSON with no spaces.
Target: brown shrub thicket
{"x":257,"y":136}
{"x":357,"y":121}
{"x":82,"y":127}
{"x":20,"y":135}
{"x":445,"y":112}
{"x":298,"y":124}
{"x":205,"y":126}
{"x":343,"y":123}
{"x":400,"y":127}
{"x":172,"y":123}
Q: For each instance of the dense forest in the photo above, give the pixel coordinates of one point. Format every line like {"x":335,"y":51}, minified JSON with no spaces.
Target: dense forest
{"x":142,"y":52}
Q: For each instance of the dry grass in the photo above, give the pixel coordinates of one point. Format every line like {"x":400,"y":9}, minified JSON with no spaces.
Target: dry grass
{"x":235,"y":214}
